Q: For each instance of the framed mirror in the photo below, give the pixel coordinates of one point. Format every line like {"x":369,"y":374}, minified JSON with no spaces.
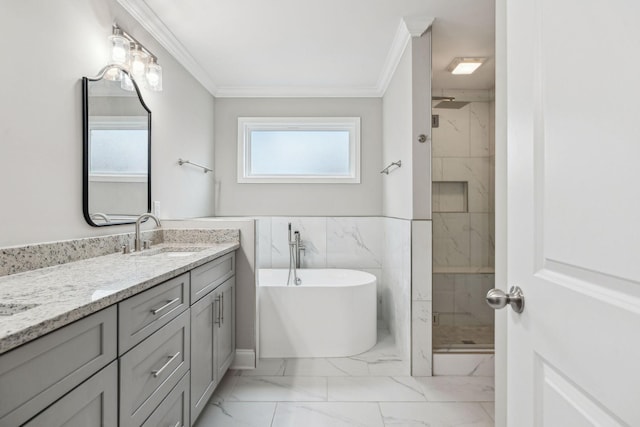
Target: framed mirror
{"x":117,"y":149}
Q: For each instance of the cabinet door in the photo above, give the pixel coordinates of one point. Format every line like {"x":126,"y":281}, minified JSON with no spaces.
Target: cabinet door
{"x":152,"y":368}
{"x":35,"y":375}
{"x":203,"y":370}
{"x":174,"y":409}
{"x":93,"y":403}
{"x":225,"y":331}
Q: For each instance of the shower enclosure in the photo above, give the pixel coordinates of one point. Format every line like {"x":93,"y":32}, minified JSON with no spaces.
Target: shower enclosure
{"x":463,"y":221}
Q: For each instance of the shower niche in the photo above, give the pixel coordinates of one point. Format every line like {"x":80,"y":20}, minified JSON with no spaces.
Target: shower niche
{"x":463,"y":223}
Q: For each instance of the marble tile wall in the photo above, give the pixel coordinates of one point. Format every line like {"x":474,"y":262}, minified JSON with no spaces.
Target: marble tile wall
{"x":380,"y":246}
{"x":460,"y":298}
{"x":463,"y":150}
{"x":463,"y":239}
{"x":421,"y":298}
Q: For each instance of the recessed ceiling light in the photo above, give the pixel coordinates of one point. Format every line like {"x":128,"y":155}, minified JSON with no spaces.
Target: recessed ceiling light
{"x":465,"y":65}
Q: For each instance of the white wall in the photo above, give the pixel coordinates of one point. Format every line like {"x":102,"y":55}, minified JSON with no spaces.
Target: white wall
{"x":233,"y":199}
{"x":406,"y":116}
{"x":48,"y":47}
{"x":245,"y":273}
{"x":396,"y":145}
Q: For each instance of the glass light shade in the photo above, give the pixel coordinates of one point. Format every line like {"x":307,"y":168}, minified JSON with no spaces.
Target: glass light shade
{"x":138,"y":64}
{"x":119,"y":49}
{"x":113,"y":74}
{"x":127,"y":83}
{"x":154,"y":75}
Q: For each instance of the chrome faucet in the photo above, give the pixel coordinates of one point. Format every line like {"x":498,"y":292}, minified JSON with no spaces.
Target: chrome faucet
{"x":298,"y":246}
{"x":295,"y":246}
{"x":138,"y":241}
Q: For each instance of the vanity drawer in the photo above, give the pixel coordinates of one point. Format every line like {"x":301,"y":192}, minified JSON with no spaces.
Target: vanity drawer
{"x":174,"y":409}
{"x":207,"y":277}
{"x":145,"y":313}
{"x":93,"y":403}
{"x":151,"y":369}
{"x":37,"y":374}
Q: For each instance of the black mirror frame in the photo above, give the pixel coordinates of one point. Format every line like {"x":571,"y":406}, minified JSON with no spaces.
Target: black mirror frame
{"x":85,"y":146}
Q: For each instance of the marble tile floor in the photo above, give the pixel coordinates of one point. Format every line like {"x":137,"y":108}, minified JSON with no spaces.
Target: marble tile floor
{"x":373,"y":401}
{"x":373,"y":389}
{"x":463,"y":336}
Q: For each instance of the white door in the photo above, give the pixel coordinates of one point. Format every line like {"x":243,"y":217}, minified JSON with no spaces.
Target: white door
{"x":573,"y":212}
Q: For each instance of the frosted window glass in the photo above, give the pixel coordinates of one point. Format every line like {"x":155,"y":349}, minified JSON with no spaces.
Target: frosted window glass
{"x":118,"y":152}
{"x":295,"y":152}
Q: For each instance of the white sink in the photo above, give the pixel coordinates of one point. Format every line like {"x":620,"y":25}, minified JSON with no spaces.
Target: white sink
{"x":171,"y":252}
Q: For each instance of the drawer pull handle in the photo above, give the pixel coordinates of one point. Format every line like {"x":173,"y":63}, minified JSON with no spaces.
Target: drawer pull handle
{"x":164,"y":307}
{"x":159,"y":371}
{"x":218,"y":320}
{"x":222,"y":309}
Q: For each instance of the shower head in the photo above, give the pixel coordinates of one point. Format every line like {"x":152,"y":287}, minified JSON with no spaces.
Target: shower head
{"x":448,"y":102}
{"x":456,"y":105}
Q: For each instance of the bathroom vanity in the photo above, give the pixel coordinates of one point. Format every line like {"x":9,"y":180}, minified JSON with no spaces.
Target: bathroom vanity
{"x":120,"y":340}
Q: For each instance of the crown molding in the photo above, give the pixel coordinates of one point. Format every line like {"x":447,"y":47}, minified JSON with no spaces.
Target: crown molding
{"x":408,"y":27}
{"x":394,"y":55}
{"x":296,"y":92}
{"x":417,"y":25}
{"x":142,"y":13}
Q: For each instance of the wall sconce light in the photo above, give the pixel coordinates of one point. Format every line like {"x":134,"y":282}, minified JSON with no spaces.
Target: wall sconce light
{"x":465,"y":65}
{"x":131,"y":55}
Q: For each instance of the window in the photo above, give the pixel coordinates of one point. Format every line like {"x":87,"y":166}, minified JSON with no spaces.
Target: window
{"x":118,"y":149}
{"x":299,"y":150}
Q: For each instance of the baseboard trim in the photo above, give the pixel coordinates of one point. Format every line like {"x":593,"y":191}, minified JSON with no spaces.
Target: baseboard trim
{"x":245,"y":359}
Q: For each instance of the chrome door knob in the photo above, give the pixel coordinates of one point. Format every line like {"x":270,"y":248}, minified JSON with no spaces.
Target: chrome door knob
{"x":497,"y":299}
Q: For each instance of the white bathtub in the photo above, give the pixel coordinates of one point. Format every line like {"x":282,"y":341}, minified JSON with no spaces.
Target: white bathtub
{"x":331,"y":314}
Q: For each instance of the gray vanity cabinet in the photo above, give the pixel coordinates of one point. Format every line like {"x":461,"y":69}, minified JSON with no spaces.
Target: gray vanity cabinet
{"x":94,"y":403}
{"x":174,"y":409}
{"x":150,"y":370}
{"x":225,"y":333}
{"x":143,"y":314}
{"x":212,"y":333}
{"x":37,"y":374}
{"x":129,"y":365}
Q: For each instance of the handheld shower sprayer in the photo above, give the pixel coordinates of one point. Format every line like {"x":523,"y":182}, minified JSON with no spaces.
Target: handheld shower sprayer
{"x":294,"y":256}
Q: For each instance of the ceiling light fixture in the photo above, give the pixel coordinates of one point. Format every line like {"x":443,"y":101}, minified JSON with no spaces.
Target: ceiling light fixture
{"x":465,"y":65}
{"x":137,"y":60}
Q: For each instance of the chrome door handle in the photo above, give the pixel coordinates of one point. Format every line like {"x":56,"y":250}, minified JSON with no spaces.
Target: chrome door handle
{"x":497,"y":299}
{"x":155,"y":311}
{"x":157,"y":372}
{"x":218,"y":320}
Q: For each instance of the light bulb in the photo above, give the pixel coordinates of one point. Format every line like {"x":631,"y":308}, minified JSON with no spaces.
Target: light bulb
{"x":154,"y":75}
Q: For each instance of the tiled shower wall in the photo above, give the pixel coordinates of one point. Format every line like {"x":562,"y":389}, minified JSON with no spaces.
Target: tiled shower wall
{"x":463,"y":213}
{"x":380,"y":246}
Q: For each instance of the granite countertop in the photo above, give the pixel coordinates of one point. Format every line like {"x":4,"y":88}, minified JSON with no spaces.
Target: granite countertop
{"x":56,"y":296}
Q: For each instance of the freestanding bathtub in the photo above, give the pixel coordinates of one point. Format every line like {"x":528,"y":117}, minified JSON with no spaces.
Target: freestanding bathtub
{"x":331,"y":314}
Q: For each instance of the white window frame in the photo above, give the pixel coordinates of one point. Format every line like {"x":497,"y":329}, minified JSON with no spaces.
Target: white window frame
{"x":248,"y":124}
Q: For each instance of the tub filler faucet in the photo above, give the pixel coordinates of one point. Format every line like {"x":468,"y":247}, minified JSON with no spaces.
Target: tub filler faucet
{"x":295,"y":247}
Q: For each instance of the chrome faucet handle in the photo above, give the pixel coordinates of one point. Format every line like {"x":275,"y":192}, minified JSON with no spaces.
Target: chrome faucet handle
{"x":138,"y":239}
